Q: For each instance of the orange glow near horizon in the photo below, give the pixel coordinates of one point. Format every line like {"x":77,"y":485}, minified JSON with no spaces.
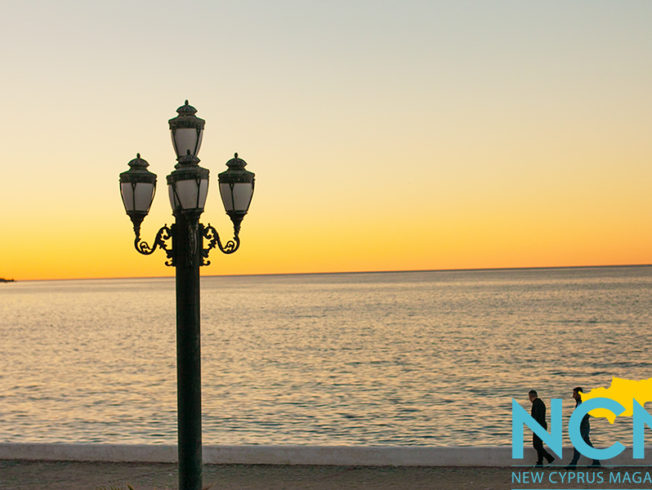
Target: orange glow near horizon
{"x":446,"y":245}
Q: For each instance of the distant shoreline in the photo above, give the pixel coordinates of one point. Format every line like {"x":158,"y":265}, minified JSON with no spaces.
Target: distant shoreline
{"x":271,"y":274}
{"x":2,"y":279}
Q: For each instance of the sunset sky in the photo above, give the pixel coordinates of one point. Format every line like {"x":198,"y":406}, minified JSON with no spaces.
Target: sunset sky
{"x":385,"y":135}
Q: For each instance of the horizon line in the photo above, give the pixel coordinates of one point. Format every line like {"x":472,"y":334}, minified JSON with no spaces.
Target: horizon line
{"x":472,"y":269}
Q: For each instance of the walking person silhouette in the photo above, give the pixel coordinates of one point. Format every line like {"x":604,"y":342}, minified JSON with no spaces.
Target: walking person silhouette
{"x":539,"y":414}
{"x":585,"y":428}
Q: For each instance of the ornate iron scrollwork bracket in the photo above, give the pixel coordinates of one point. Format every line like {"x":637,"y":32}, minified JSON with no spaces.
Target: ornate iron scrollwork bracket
{"x":210,"y":234}
{"x":163,"y":235}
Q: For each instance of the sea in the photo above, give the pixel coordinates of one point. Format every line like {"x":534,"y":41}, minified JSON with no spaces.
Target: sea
{"x":428,"y":358}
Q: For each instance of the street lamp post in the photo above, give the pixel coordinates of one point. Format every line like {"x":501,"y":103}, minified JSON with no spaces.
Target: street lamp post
{"x":190,"y":245}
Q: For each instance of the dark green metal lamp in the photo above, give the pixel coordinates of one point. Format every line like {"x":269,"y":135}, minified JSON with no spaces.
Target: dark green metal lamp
{"x":190,"y":245}
{"x":236,"y":189}
{"x":188,"y":184}
{"x":187,"y":130}
{"x":137,"y":187}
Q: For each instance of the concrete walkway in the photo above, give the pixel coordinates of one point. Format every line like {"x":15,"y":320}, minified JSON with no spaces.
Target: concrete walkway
{"x":140,"y":476}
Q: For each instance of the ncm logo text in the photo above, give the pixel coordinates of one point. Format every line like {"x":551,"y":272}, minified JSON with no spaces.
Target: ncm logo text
{"x":553,"y":439}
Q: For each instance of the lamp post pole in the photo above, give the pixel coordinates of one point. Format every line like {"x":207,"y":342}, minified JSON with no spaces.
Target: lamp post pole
{"x":188,"y":352}
{"x":190,"y":245}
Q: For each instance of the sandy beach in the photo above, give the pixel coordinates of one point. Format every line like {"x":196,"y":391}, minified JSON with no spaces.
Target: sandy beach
{"x":139,"y":476}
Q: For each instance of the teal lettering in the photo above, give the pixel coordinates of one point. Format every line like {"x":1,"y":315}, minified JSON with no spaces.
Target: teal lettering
{"x":574,"y":428}
{"x":641,"y":419}
{"x":520,"y":418}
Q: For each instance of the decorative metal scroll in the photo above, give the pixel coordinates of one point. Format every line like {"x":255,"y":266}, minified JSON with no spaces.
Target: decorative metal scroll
{"x":210,"y":234}
{"x":163,"y":235}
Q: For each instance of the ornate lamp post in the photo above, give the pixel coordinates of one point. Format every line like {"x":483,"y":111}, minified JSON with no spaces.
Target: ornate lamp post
{"x":191,"y":242}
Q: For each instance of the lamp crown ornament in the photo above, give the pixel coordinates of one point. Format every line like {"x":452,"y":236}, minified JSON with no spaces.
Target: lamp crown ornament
{"x":186,"y":160}
{"x":186,"y":118}
{"x":138,"y":162}
{"x":236,"y":162}
{"x":186,"y":108}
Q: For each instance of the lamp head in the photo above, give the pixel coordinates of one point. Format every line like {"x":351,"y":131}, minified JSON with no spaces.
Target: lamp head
{"x":237,"y":189}
{"x":188,"y":188}
{"x":137,"y":187}
{"x":187,"y":131}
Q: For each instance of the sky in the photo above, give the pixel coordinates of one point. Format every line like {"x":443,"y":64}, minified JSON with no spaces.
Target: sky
{"x":385,"y":135}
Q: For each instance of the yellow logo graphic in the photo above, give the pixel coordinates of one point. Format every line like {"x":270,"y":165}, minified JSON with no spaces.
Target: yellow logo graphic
{"x":623,"y":391}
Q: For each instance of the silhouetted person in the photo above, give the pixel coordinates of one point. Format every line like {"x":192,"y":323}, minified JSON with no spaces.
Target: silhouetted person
{"x":585,"y":428}
{"x":539,"y":414}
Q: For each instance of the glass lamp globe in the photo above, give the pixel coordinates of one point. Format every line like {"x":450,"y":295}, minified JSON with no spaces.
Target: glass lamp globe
{"x":137,"y":187}
{"x":188,"y":188}
{"x":237,"y":189}
{"x":187,"y":130}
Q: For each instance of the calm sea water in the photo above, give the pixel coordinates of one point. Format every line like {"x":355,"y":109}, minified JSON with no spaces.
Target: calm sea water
{"x":417,"y":358}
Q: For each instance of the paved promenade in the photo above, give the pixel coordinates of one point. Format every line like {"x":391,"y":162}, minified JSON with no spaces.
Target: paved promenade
{"x":122,"y":476}
{"x":141,"y":476}
{"x":121,"y":467}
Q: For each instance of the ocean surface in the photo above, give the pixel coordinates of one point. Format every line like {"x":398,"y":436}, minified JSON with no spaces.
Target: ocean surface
{"x":401,"y":358}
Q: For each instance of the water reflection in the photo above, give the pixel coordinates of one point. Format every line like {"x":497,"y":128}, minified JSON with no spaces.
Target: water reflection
{"x":395,"y":358}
